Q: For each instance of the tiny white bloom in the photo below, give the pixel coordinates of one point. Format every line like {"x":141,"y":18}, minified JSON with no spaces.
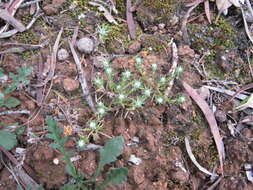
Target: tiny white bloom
{"x":105,"y":63}
{"x":93,"y":125}
{"x":121,"y":96}
{"x":127,"y":74}
{"x":159,"y":100}
{"x":100,"y":104}
{"x":181,"y":99}
{"x":137,"y":84}
{"x":162,"y":80}
{"x":138,"y":60}
{"x":101,"y":111}
{"x":147,"y":92}
{"x":81,"y":16}
{"x":154,"y":66}
{"x":108,"y":70}
{"x":118,"y":87}
{"x":138,"y":102}
{"x":80,"y":143}
{"x":179,"y":69}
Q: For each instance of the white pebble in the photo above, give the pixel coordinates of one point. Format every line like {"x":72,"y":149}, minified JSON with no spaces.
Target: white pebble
{"x":62,"y":54}
{"x":56,"y":161}
{"x":85,"y":45}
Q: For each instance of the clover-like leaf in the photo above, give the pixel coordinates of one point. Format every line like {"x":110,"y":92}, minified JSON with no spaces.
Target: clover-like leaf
{"x":7,"y":139}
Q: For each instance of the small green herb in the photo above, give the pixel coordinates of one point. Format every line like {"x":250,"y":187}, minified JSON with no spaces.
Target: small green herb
{"x":108,"y":154}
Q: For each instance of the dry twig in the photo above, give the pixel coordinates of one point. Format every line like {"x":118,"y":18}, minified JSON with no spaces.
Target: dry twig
{"x":173,"y":67}
{"x":130,"y":20}
{"x":82,"y":79}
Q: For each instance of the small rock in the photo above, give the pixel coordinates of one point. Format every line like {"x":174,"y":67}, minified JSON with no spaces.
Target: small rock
{"x":161,"y":26}
{"x":62,"y":54}
{"x":203,"y":92}
{"x":134,"y":160}
{"x":221,"y":116}
{"x":70,"y":84}
{"x":134,"y":47}
{"x":180,"y":176}
{"x":50,"y":9}
{"x":85,"y":45}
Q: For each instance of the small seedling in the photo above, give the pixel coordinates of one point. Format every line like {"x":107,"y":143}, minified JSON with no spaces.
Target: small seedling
{"x":108,"y":154}
{"x":8,"y":139}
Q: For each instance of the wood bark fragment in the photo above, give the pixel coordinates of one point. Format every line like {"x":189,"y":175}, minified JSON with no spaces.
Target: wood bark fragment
{"x":82,"y":79}
{"x":7,"y":17}
{"x":130,"y":20}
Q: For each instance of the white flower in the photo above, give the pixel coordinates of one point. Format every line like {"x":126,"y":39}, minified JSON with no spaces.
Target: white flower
{"x":105,"y":63}
{"x":81,"y":16}
{"x":127,"y":74}
{"x":138,"y":60}
{"x":81,"y":143}
{"x":181,"y":99}
{"x":154,"y":66}
{"x":122,"y":96}
{"x":179,"y":69}
{"x":162,"y":80}
{"x":147,"y":92}
{"x":118,"y":87}
{"x":138,"y":103}
{"x":108,"y":70}
{"x":93,"y":125}
{"x":137,"y":84}
{"x":159,"y":100}
{"x":101,"y":111}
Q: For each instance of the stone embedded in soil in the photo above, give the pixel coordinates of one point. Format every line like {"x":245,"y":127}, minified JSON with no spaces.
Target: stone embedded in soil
{"x":134,"y":47}
{"x":62,"y":54}
{"x":43,"y":153}
{"x":203,"y":92}
{"x":220,"y":116}
{"x":85,"y":45}
{"x":70,"y":84}
{"x":180,"y":176}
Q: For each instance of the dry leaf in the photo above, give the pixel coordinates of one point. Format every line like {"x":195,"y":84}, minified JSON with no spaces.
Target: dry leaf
{"x":210,"y":119}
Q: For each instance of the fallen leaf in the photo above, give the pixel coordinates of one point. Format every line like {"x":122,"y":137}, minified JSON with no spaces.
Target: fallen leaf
{"x":210,"y":119}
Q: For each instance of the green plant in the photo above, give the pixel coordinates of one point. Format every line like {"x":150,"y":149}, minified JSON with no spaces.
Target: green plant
{"x":8,"y":139}
{"x":18,"y":81}
{"x":132,"y":89}
{"x":103,"y":31}
{"x":108,"y":154}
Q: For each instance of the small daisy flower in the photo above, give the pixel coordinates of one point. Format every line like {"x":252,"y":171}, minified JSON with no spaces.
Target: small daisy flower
{"x":106,"y":63}
{"x":118,"y":87}
{"x":147,"y":92}
{"x":127,"y":74}
{"x":138,"y":60}
{"x":93,"y":125}
{"x":181,"y":99}
{"x":154,"y":66}
{"x":81,"y":143}
{"x":101,"y":111}
{"x":109,"y":71}
{"x":138,"y":103}
{"x":121,"y":97}
{"x":179,"y":70}
{"x":162,"y":80}
{"x":159,"y":100}
{"x":137,"y":84}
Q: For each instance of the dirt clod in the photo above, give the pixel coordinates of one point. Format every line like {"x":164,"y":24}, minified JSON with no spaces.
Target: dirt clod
{"x":70,"y":84}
